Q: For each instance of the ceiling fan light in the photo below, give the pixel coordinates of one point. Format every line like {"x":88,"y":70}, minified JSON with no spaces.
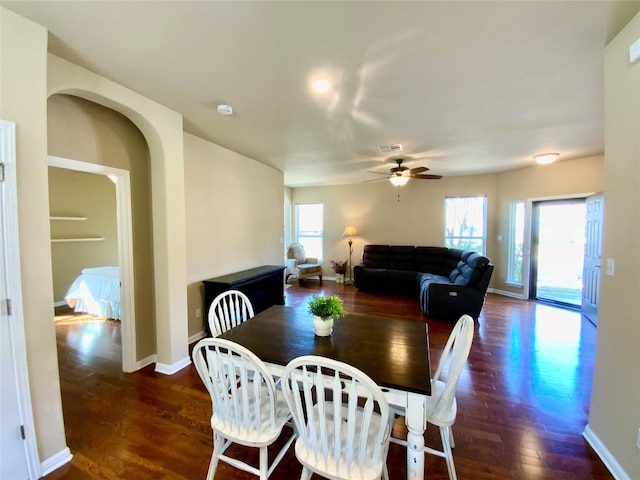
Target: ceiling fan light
{"x":398,"y":180}
{"x":546,"y":158}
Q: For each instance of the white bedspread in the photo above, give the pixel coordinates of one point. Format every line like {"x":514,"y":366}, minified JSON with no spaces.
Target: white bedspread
{"x":97,"y":292}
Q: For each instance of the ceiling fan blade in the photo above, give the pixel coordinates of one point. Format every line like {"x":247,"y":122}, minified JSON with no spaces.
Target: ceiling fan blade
{"x":378,"y":173}
{"x":374,"y":180}
{"x":426,"y":177}
{"x":413,"y":171}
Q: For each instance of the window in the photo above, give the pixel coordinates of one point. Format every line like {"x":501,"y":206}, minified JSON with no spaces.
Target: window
{"x":309,"y":228}
{"x":465,"y":223}
{"x":516,"y":243}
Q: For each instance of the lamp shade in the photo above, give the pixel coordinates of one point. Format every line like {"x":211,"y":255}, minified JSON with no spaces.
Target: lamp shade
{"x":350,"y":231}
{"x":399,"y":180}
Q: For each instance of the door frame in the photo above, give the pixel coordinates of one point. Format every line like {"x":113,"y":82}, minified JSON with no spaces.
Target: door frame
{"x":14,"y":292}
{"x":125,"y":250}
{"x":528,"y":234}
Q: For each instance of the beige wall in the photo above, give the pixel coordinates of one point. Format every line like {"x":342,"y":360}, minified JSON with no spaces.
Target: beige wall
{"x":23,"y":90}
{"x":615,"y":401}
{"x":162,"y":130}
{"x":79,"y":194}
{"x":571,"y":177}
{"x":234,"y":217}
{"x":416,"y":218}
{"x":85,"y":131}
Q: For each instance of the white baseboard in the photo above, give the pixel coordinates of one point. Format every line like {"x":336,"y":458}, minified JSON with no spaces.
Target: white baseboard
{"x":171,"y":369}
{"x":196,"y":337}
{"x":146,"y":361}
{"x":59,"y":303}
{"x":605,"y":455}
{"x":58,"y":460}
{"x":506,"y":293}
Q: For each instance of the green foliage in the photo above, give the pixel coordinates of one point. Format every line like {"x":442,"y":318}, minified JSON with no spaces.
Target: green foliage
{"x":325,"y":308}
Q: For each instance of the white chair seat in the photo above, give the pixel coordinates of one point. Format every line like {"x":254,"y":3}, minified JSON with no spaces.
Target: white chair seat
{"x":339,"y":441}
{"x":441,"y":406}
{"x":246,"y":406}
{"x":447,"y":416}
{"x":248,"y":434}
{"x":327,"y":466}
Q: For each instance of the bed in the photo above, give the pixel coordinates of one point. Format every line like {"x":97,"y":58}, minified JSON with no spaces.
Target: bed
{"x":96,"y":291}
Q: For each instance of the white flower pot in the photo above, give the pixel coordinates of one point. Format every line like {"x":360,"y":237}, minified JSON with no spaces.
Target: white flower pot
{"x":322,"y":327}
{"x":339,"y":277}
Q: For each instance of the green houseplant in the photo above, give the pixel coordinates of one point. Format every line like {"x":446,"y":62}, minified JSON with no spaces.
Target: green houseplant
{"x":325,"y":310}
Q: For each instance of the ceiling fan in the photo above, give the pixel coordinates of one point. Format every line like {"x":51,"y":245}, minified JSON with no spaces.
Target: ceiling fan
{"x":400,"y":175}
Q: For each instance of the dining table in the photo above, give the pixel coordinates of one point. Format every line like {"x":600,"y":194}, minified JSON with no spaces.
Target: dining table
{"x":394,"y":353}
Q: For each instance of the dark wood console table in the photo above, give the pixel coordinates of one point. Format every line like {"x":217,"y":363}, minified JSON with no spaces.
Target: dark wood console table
{"x":263,"y":285}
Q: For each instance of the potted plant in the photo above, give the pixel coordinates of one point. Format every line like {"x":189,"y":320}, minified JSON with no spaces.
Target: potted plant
{"x":325,"y":310}
{"x":340,"y":268}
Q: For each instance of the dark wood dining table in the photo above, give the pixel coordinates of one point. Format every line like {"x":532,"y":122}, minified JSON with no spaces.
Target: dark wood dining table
{"x":394,"y":353}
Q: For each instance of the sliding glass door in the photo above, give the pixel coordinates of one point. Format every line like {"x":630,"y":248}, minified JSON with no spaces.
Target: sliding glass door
{"x":558,"y":239}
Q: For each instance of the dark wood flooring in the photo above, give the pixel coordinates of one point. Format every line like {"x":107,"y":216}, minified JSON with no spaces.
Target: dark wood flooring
{"x":523,"y":399}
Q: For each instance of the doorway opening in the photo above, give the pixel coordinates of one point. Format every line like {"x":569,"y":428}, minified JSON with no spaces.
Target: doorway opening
{"x":557,"y":252}
{"x":125,"y":250}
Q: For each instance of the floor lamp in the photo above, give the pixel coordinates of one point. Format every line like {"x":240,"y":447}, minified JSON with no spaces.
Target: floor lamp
{"x":350,"y":232}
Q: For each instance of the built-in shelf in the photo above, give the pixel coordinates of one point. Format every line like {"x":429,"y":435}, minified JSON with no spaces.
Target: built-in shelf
{"x":68,"y":218}
{"x":78,"y":239}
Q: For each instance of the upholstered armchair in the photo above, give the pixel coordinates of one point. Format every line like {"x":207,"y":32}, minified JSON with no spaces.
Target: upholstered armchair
{"x":301,"y":266}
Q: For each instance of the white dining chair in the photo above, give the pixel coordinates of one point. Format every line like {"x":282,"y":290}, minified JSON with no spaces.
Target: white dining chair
{"x":246,"y":406}
{"x":441,"y":407}
{"x":340,"y":416}
{"x":228,"y":310}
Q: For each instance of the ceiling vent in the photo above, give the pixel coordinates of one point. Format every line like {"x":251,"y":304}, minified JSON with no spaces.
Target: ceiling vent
{"x":390,"y":148}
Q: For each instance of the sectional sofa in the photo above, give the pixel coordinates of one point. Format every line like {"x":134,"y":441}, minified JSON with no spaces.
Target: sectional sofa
{"x":449,"y":282}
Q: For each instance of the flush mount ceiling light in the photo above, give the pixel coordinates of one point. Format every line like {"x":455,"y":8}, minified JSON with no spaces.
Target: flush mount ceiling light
{"x":321,"y":85}
{"x":225,"y":110}
{"x":546,"y":158}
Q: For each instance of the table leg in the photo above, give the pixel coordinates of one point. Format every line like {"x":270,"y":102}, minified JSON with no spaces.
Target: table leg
{"x":416,"y":423}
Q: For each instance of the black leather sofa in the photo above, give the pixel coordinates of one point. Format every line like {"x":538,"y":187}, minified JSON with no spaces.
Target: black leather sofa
{"x":449,"y":282}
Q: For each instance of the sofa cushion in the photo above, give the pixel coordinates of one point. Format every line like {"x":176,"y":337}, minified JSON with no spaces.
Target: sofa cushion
{"x":450,"y":261}
{"x":429,"y":259}
{"x":370,"y":276}
{"x":376,"y":256}
{"x":469,"y":269}
{"x":309,"y":268}
{"x":401,"y":278}
{"x":402,"y":258}
{"x":432,"y":278}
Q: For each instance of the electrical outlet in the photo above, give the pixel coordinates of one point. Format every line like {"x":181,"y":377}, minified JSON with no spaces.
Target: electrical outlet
{"x":198,"y":312}
{"x":638,"y":439}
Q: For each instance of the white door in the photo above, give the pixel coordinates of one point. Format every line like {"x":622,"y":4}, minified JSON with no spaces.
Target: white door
{"x":592,"y":257}
{"x":13,"y":457}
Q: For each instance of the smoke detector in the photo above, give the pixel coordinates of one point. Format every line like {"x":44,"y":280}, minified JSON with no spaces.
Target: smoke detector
{"x":225,"y":109}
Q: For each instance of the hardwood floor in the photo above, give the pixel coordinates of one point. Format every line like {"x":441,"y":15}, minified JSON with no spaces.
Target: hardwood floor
{"x":523,"y":399}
